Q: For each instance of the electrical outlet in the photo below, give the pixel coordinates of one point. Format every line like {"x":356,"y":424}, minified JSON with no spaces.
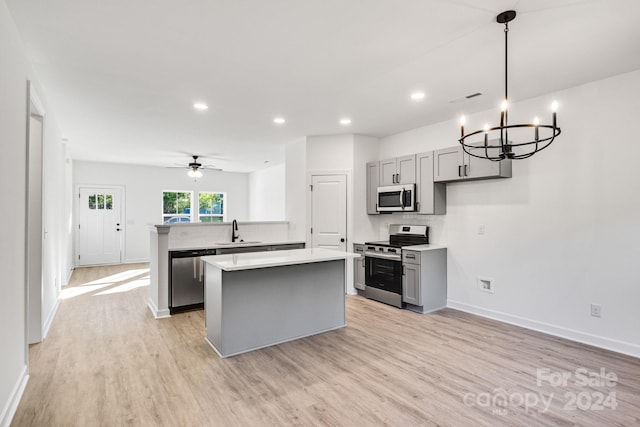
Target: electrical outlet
{"x":481,"y":230}
{"x":596,"y":310}
{"x":485,"y":284}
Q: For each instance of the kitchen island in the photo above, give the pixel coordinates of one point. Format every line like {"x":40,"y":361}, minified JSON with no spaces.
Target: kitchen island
{"x":255,"y":300}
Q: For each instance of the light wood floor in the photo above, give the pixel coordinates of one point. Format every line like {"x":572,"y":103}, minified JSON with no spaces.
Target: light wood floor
{"x":108,"y":362}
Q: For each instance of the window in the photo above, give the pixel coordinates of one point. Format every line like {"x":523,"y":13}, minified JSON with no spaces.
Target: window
{"x":176,"y":206}
{"x":101,"y":201}
{"x":211,"y":207}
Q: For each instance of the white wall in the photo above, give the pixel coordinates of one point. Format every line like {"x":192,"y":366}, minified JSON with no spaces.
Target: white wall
{"x":143,"y":195}
{"x":365,"y":227}
{"x":14,"y":73}
{"x":267,"y":194}
{"x":295,"y":188}
{"x":563,"y":232}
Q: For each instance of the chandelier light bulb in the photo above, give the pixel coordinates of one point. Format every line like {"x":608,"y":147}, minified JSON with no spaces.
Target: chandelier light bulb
{"x":504,"y":105}
{"x":462,"y":121}
{"x":486,"y":127}
{"x":536,"y":121}
{"x":554,"y":106}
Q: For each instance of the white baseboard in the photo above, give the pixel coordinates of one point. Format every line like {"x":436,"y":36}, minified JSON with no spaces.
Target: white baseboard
{"x":47,"y":323}
{"x":135,"y":261}
{"x":69,"y":274}
{"x":10,"y":407}
{"x":158,"y":314}
{"x":623,"y":347}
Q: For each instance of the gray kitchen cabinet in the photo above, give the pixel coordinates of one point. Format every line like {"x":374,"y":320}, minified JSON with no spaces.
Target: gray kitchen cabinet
{"x":241,"y":250}
{"x":286,"y":246}
{"x":373,"y":180}
{"x":400,"y":170}
{"x":431,"y":197}
{"x":411,"y":292}
{"x":424,"y":279}
{"x":453,"y":164}
{"x":261,"y":248}
{"x":358,"y":267}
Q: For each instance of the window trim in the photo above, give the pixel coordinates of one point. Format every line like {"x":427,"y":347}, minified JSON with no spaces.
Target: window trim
{"x":224,"y":206}
{"x":194,"y":215}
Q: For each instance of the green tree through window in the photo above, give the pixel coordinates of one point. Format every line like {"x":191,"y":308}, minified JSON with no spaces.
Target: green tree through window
{"x":211,"y":207}
{"x":176,"y":206}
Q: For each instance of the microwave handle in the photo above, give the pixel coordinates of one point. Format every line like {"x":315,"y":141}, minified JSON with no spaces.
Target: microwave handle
{"x":402,"y":198}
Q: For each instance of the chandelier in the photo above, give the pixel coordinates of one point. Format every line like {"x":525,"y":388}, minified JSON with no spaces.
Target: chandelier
{"x":500,"y":147}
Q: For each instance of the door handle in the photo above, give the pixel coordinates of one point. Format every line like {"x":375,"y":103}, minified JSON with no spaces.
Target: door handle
{"x":117,"y":229}
{"x":459,"y":171}
{"x":465,"y":170}
{"x":342,"y":240}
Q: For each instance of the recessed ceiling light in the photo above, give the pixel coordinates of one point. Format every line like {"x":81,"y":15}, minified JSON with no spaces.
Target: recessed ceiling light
{"x":417,"y":96}
{"x":345,"y":121}
{"x":200,"y":106}
{"x":279,"y":120}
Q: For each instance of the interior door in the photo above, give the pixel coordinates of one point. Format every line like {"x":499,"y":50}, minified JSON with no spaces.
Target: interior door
{"x":329,"y":212}
{"x":100,"y":226}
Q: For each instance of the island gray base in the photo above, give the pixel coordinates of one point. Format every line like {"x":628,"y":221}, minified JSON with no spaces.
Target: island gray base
{"x":250,"y":309}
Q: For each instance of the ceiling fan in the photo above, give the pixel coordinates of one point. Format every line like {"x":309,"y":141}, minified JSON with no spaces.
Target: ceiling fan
{"x":195,"y":167}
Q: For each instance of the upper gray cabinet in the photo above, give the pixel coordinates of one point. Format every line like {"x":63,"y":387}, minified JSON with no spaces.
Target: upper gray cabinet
{"x":431,"y":197}
{"x":400,"y":170}
{"x":453,"y":164}
{"x":373,"y":179}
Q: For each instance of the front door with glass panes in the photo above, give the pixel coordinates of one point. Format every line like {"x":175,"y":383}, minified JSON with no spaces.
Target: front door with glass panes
{"x":100,"y":226}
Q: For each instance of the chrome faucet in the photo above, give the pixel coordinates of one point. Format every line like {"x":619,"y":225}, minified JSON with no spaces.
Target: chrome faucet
{"x":234,"y":231}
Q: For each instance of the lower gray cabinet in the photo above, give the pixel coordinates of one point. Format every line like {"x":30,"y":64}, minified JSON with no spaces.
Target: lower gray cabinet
{"x":286,"y":246}
{"x":411,"y":284}
{"x":358,"y":268}
{"x":424,"y":279}
{"x":262,"y":248}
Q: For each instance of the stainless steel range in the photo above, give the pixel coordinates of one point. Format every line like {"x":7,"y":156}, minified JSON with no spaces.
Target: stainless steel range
{"x":383,"y":262}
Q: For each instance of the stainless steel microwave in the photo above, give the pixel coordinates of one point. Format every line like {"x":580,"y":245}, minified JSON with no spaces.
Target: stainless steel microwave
{"x":397,"y":198}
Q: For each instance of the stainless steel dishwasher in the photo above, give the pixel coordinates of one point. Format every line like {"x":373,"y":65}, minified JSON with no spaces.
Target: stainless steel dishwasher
{"x":186,"y":285}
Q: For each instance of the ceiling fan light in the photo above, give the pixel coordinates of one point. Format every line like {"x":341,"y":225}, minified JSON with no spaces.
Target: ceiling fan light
{"x":194,"y":173}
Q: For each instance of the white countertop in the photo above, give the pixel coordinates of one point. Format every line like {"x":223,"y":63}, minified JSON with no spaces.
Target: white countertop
{"x":221,"y":245}
{"x":247,"y":261}
{"x":422,"y":248}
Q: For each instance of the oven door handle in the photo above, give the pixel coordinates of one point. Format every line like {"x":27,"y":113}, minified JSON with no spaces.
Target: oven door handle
{"x":382,"y":256}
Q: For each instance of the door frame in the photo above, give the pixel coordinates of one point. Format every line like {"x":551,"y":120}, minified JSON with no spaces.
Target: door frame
{"x":349,"y":243}
{"x":76,"y":219}
{"x":35,"y":107}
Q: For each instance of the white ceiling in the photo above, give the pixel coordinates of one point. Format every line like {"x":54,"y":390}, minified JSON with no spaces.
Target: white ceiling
{"x":122,"y":75}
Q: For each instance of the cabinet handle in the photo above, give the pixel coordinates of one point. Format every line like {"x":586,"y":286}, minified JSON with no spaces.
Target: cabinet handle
{"x":459,"y":171}
{"x":465,"y":170}
{"x":418,"y":206}
{"x":410,"y":256}
{"x":398,"y":178}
